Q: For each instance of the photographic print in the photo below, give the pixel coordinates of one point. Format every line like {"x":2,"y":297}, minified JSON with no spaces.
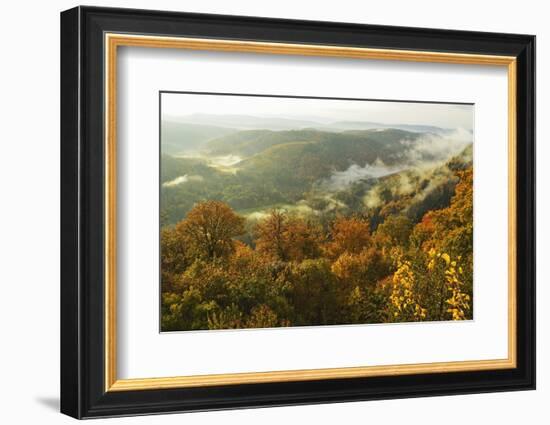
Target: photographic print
{"x":209,"y":201}
{"x":283,"y":211}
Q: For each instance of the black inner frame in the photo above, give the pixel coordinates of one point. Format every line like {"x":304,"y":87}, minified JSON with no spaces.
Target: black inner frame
{"x":82,"y":212}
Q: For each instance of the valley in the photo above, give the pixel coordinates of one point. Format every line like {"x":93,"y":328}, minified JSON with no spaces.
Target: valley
{"x":310,"y":172}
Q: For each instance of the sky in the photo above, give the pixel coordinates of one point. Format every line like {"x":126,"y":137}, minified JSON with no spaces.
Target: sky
{"x":323,"y":111}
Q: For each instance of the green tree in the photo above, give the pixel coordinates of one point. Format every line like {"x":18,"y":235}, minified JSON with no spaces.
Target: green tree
{"x":394,"y":231}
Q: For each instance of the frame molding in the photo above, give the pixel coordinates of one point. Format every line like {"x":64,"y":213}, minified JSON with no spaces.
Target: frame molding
{"x":89,"y":41}
{"x":113,"y":41}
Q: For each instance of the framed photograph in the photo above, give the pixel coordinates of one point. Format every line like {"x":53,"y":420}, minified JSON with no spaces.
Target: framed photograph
{"x":261,"y":212}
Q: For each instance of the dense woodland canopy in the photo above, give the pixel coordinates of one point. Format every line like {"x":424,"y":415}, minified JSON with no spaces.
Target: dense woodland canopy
{"x":389,"y":249}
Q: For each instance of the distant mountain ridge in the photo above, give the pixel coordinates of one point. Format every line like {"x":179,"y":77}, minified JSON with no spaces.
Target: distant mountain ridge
{"x":252,"y":122}
{"x":358,"y":146}
{"x":244,"y":122}
{"x":368,"y":125}
{"x":178,"y":137}
{"x":250,"y":134}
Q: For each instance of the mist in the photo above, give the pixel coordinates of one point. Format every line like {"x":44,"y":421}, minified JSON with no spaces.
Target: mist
{"x":342,"y":179}
{"x":437,"y":146}
{"x":183,"y":179}
{"x":427,"y":151}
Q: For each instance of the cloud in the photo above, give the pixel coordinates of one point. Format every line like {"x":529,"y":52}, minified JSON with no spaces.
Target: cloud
{"x":342,"y":179}
{"x":426,"y":151}
{"x":183,"y":179}
{"x":436,"y":147}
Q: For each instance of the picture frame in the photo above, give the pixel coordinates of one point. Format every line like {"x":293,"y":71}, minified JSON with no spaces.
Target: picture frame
{"x":91,"y":38}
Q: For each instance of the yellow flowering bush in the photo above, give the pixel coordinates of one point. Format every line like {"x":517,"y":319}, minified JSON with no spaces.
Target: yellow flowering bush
{"x":430,"y":289}
{"x":458,"y":303}
{"x":403,"y":298}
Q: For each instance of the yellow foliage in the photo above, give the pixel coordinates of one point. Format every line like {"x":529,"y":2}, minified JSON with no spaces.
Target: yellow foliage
{"x":403,"y":296}
{"x":459,"y":302}
{"x":406,"y":299}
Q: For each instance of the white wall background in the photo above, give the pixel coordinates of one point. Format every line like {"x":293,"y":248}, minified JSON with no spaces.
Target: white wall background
{"x":29,"y":214}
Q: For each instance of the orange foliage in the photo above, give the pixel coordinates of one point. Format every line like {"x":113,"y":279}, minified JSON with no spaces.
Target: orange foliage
{"x":287,"y":238}
{"x":209,"y":229}
{"x":290,"y":273}
{"x":349,"y":234}
{"x":364,"y":269}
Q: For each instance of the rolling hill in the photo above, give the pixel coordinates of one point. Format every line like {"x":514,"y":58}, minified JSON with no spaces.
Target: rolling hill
{"x":322,"y":172}
{"x":359,"y":146}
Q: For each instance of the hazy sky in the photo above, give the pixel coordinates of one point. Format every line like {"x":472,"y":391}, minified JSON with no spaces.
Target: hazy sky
{"x":323,"y":110}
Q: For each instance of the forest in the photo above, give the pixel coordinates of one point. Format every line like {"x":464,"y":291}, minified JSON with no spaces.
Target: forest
{"x":309,"y":227}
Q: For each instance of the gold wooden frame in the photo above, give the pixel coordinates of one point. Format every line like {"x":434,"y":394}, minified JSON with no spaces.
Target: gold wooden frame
{"x":113,"y":41}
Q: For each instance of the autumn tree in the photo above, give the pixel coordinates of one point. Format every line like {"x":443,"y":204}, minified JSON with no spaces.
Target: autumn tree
{"x":450,"y":230}
{"x":454,"y":225}
{"x":262,"y":316}
{"x":363,"y":269}
{"x":428,"y":286}
{"x":316,"y":297}
{"x":271,"y":235}
{"x":288,"y":238}
{"x":174,"y":257}
{"x":406,"y":303}
{"x":394,"y":231}
{"x":303,"y":239}
{"x":209,"y":229}
{"x":359,"y":275}
{"x":348,"y":234}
